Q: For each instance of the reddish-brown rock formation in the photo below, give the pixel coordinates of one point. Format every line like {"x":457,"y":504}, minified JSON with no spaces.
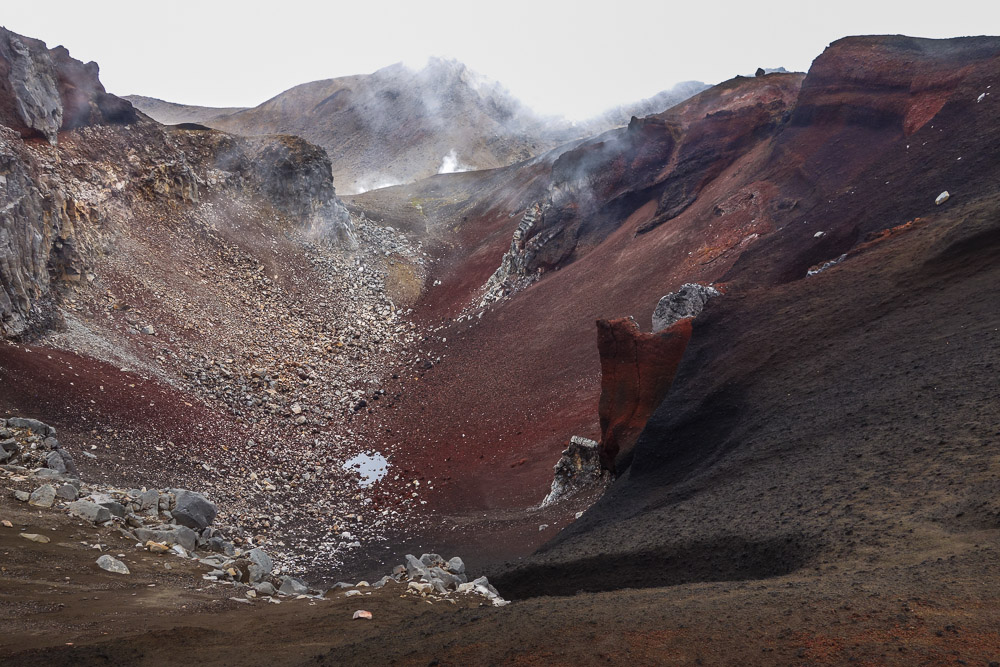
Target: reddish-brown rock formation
{"x":637,"y":370}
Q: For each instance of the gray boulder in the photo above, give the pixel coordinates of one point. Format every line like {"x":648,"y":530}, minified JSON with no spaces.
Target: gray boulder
{"x":67,"y":492}
{"x":43,"y":496}
{"x":264,"y":588}
{"x":485,"y":583}
{"x":116,"y":508}
{"x":90,"y":511}
{"x":169,"y":535}
{"x":48,"y":473}
{"x":447,"y":578}
{"x":431,"y":560}
{"x":456,"y":566}
{"x":112,"y":564}
{"x":8,"y":448}
{"x":193,"y":509}
{"x":149,"y":501}
{"x":33,"y":425}
{"x":415,"y":568}
{"x":60,"y":460}
{"x":260,"y":565}
{"x":293,"y":586}
{"x":687,"y":302}
{"x":55,"y":461}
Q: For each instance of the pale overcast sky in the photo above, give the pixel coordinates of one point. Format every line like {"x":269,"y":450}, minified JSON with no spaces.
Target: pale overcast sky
{"x":570,"y":58}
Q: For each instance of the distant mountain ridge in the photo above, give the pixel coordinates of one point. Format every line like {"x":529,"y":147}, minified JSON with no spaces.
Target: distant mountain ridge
{"x":398,"y":125}
{"x":172,"y":113}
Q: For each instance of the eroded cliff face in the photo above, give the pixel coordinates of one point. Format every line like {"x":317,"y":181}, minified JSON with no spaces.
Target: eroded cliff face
{"x":637,"y":369}
{"x":44,"y":91}
{"x":68,"y":200}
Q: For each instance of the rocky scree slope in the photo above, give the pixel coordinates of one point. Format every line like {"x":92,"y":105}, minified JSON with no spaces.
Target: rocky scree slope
{"x":197,"y":310}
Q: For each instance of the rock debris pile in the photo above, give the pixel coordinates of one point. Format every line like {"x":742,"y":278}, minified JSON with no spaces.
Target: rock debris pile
{"x":180,"y":522}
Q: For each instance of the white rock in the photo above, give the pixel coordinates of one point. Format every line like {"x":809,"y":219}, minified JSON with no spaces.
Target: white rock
{"x":942,"y":198}
{"x":112,"y":564}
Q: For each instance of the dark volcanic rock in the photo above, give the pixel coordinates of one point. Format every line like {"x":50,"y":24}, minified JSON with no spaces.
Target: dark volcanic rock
{"x":43,"y":91}
{"x":193,"y":509}
{"x":686,"y":302}
{"x":578,"y":468}
{"x":636,"y":372}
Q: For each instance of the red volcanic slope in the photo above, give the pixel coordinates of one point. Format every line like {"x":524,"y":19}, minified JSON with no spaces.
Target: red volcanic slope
{"x":732,"y":185}
{"x":637,"y":369}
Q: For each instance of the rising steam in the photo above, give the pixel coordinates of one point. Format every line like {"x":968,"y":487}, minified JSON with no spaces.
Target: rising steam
{"x":451,"y":165}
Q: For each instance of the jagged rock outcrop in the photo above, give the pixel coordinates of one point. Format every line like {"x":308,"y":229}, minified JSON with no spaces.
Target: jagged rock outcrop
{"x":578,"y":468}
{"x":637,"y":370}
{"x":686,"y":302}
{"x":296,"y":176}
{"x":517,"y":268}
{"x":43,"y":91}
{"x":61,"y":206}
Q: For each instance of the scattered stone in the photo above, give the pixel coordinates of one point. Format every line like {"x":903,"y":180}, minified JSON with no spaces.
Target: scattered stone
{"x":148,"y":330}
{"x":419,"y":587}
{"x":456,"y":565}
{"x":260,"y":565}
{"x":264,"y":588}
{"x":169,"y":535}
{"x":35,"y":537}
{"x":361,"y":613}
{"x":112,"y":564}
{"x":293,"y":586}
{"x":67,"y":492}
{"x":942,"y":198}
{"x":149,"y":501}
{"x":90,"y":511}
{"x":116,"y":508}
{"x":33,"y":425}
{"x":7,"y":524}
{"x":352,"y":593}
{"x":157,"y":547}
{"x":23,"y":496}
{"x":43,"y":496}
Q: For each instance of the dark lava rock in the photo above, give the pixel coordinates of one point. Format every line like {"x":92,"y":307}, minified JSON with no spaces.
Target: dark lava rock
{"x":193,"y":509}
